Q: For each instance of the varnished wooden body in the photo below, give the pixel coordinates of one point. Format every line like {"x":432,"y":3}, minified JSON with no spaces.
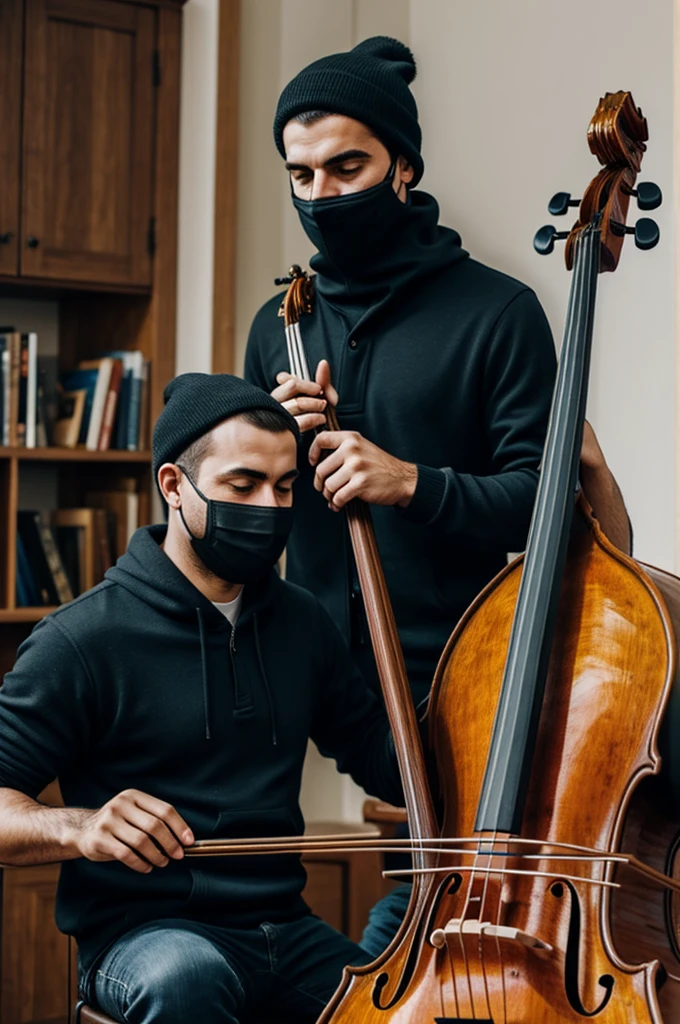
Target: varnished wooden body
{"x":609,"y":681}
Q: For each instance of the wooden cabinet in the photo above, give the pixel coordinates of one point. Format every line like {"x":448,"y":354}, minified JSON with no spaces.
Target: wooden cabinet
{"x":35,"y":964}
{"x":79,"y":109}
{"x":88,"y":125}
{"x":11,"y":34}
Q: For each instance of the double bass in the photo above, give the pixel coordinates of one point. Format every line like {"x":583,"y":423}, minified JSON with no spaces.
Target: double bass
{"x":547,"y":892}
{"x":546,"y":877}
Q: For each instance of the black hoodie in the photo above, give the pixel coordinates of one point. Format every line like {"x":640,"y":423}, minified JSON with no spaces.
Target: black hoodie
{"x":442,"y":362}
{"x":142,"y":683}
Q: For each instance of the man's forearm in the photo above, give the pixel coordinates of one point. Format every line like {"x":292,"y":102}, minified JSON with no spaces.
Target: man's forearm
{"x":32,"y":833}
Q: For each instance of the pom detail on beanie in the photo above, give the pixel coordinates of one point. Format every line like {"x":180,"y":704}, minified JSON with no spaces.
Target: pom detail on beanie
{"x":369,"y":83}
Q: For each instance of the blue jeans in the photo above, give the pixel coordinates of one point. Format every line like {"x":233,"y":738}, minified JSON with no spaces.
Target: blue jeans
{"x":384,"y":921}
{"x":177,"y":971}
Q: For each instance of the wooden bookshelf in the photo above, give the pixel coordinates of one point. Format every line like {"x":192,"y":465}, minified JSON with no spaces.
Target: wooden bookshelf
{"x":94,"y":231}
{"x":31,"y":615}
{"x":72,"y":455}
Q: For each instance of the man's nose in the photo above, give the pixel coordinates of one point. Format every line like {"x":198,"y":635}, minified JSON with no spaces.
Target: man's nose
{"x":323,"y":185}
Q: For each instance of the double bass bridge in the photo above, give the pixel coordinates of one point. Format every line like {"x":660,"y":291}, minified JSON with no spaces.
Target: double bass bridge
{"x":458,"y":927}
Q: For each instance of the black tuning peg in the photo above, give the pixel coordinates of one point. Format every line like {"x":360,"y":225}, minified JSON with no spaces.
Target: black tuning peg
{"x":648,"y":195}
{"x":545,"y":238}
{"x":560,"y":203}
{"x":646,"y":233}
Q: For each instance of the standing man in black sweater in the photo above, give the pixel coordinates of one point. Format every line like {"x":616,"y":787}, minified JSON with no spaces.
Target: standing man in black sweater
{"x":174,"y":702}
{"x":443,"y":366}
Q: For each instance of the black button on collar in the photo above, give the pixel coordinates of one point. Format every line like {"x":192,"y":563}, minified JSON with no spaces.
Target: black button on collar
{"x":353,"y":343}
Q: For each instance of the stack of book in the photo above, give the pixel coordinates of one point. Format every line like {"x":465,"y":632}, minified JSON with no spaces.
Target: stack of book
{"x":63,"y":553}
{"x":101,"y":404}
{"x":104,"y":404}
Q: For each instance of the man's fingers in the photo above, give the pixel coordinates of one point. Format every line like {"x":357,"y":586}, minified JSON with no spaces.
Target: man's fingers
{"x":119,"y":851}
{"x":158,"y":830}
{"x":141,"y":843}
{"x":294,"y":387}
{"x":298,"y":406}
{"x":323,"y":378}
{"x":343,"y":496}
{"x":331,"y":464}
{"x":336,"y":481}
{"x":167,"y":813}
{"x":310,"y":421}
{"x":327,"y":439}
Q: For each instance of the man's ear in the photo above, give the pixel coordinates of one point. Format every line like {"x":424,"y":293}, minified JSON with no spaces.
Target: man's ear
{"x":405,"y":171}
{"x":169,"y":477}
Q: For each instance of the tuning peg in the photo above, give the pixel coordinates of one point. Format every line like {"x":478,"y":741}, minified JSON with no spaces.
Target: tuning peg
{"x":646,"y":233}
{"x":648,"y":195}
{"x":545,"y":238}
{"x":560,"y":203}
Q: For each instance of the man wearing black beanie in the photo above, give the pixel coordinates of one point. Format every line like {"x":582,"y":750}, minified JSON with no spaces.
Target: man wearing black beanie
{"x":444,"y":370}
{"x":174,"y":702}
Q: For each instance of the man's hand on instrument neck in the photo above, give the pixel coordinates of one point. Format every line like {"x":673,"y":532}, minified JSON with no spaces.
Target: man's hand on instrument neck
{"x":306,"y":400}
{"x":356,"y":468}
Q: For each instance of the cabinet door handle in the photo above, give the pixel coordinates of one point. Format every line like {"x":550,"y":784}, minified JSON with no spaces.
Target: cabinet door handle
{"x":32,"y":242}
{"x":6,"y":237}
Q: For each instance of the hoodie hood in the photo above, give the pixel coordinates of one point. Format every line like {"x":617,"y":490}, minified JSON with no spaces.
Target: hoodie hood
{"x":419,"y":249}
{"x":147,"y":572}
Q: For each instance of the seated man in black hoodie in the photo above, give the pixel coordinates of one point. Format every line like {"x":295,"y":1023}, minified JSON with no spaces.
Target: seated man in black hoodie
{"x":174,"y":702}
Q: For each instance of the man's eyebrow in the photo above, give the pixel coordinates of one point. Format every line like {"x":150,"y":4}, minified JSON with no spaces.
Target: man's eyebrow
{"x":254,"y":474}
{"x":349,"y":154}
{"x":339,"y":158}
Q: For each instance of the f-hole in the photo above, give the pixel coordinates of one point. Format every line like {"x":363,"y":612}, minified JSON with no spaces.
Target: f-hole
{"x":572,"y":957}
{"x":449,"y":887}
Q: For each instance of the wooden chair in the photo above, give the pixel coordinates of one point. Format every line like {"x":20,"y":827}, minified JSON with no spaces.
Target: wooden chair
{"x":387,"y":819}
{"x":84,"y":1014}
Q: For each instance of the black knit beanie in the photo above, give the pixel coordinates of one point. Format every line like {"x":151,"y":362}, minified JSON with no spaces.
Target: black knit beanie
{"x":197,"y":402}
{"x":369,"y":83}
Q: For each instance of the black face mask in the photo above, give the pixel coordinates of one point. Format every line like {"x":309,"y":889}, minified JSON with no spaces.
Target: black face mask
{"x":242,"y":543}
{"x":353,"y":231}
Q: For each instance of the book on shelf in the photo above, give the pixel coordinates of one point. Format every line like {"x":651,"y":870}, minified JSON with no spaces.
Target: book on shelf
{"x":83,"y":537}
{"x":31,"y":341}
{"x":4,"y":389}
{"x":41,"y":555}
{"x":128,"y":421}
{"x":123,"y":507}
{"x":70,"y":410}
{"x":27,"y":594}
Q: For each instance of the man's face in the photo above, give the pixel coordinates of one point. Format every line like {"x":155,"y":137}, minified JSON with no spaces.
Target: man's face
{"x":337,"y":155}
{"x":245,"y":465}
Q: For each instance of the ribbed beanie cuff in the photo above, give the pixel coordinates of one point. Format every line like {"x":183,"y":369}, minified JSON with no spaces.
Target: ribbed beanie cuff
{"x":370,"y":84}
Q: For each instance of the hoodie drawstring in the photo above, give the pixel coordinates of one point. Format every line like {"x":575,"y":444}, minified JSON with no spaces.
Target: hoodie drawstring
{"x":264,"y":677}
{"x":204,"y":670}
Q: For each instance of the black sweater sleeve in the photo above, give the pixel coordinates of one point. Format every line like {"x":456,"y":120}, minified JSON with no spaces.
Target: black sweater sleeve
{"x":350,"y":723}
{"x":517,"y":383}
{"x":45,"y":710}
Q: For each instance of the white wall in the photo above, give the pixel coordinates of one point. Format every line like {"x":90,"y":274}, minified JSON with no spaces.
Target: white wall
{"x":198,"y":110}
{"x":506,"y":92}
